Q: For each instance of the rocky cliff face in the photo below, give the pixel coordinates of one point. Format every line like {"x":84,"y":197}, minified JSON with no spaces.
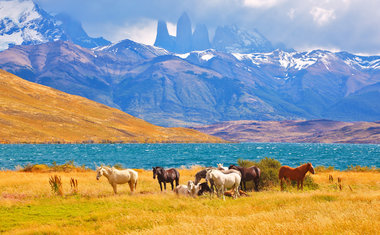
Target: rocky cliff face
{"x":184,"y":40}
{"x":227,"y":38}
{"x":163,"y":39}
{"x":75,"y":33}
{"x":201,"y":39}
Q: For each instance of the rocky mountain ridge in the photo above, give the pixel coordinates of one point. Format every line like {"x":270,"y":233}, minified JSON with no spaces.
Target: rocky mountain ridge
{"x":228,"y":38}
{"x":205,"y":87}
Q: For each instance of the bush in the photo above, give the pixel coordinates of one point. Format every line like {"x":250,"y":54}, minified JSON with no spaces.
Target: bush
{"x":269,"y":168}
{"x":66,"y":167}
{"x":56,"y":185}
{"x":359,"y":168}
{"x":324,"y":169}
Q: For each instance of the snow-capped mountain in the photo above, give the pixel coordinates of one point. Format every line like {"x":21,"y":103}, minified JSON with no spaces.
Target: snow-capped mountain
{"x":231,"y":39}
{"x":202,"y":87}
{"x":22,"y":22}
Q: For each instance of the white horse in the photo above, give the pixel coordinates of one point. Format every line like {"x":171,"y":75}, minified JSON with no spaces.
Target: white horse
{"x":221,"y":167}
{"x":190,"y":189}
{"x":222,"y":181}
{"x":116,"y":177}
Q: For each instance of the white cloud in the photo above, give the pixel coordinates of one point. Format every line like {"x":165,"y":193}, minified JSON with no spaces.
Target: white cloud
{"x":261,"y":3}
{"x":172,"y":28}
{"x":322,"y":16}
{"x":291,"y":13}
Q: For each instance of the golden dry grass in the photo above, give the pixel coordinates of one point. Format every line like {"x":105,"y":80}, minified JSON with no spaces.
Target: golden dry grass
{"x":32,"y":113}
{"x":28,"y":206}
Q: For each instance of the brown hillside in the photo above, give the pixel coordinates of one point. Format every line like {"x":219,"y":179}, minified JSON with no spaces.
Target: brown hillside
{"x":32,"y":113}
{"x":296,"y":131}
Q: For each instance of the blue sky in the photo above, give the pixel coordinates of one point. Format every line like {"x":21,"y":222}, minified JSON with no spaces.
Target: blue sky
{"x":338,"y":25}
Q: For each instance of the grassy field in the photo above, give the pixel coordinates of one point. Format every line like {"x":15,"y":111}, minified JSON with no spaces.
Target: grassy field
{"x":27,"y":205}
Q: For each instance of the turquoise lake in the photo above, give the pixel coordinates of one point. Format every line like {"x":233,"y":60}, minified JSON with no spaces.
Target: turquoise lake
{"x":176,"y":155}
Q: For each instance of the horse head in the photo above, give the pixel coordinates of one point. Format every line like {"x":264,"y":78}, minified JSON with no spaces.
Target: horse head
{"x":233,"y":167}
{"x":311,"y":168}
{"x":99,"y":172}
{"x":154,"y":172}
{"x":157,"y":171}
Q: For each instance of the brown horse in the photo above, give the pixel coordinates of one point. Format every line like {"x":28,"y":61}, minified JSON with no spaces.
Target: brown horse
{"x":247,"y":174}
{"x":298,"y":174}
{"x":166,"y":176}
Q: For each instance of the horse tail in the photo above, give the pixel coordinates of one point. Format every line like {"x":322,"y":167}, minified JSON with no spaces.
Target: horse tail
{"x":177,"y":178}
{"x":258,"y":172}
{"x":257,"y":180}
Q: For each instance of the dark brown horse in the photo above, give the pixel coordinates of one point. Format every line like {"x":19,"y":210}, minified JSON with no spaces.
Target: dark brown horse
{"x":202,"y":175}
{"x":247,"y":174}
{"x":166,"y":176}
{"x":297,"y":174}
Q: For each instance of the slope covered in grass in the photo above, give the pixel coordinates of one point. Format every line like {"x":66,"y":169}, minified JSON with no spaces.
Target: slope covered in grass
{"x":32,"y":113}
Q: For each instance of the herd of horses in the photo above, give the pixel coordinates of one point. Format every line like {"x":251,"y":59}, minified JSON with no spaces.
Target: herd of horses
{"x":217,"y":179}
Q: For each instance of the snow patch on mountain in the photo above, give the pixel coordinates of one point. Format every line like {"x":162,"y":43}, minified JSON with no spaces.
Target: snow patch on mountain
{"x":364,"y":62}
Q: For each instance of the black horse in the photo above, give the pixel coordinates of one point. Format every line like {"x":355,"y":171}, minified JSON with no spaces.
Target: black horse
{"x":202,"y":175}
{"x":204,"y":188}
{"x":248,"y":173}
{"x":166,"y":176}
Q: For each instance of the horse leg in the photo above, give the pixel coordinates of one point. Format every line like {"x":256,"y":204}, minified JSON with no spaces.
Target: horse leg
{"x":136,"y":185}
{"x":131,"y":186}
{"x":223,"y":190}
{"x":298,"y":185}
{"x":172,"y":185}
{"x":282,"y":186}
{"x":114,"y":186}
{"x":160,"y":185}
{"x":302,"y":185}
{"x":256,"y":181}
{"x":245,"y":186}
{"x":164,"y":185}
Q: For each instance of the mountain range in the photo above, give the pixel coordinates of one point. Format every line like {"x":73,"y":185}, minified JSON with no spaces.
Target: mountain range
{"x":32,"y":113}
{"x":203,"y":87}
{"x":296,"y":131}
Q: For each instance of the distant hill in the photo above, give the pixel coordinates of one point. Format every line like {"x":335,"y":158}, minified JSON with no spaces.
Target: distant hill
{"x":32,"y":113}
{"x":313,"y":131}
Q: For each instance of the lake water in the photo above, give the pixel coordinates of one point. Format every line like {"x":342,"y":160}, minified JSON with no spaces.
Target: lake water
{"x":176,"y":155}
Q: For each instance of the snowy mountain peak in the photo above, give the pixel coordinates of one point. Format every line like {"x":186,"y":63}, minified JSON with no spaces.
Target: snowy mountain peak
{"x":19,"y":11}
{"x":22,"y":22}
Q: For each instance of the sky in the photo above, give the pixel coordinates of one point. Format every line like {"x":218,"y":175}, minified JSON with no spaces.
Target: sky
{"x":337,"y":25}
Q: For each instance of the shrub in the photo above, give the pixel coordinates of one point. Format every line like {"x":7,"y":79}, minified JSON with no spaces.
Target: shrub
{"x":359,"y":168}
{"x":324,"y":169}
{"x":269,"y":168}
{"x":118,"y":166}
{"x":66,"y":167}
{"x":74,"y":185}
{"x":56,"y":185}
